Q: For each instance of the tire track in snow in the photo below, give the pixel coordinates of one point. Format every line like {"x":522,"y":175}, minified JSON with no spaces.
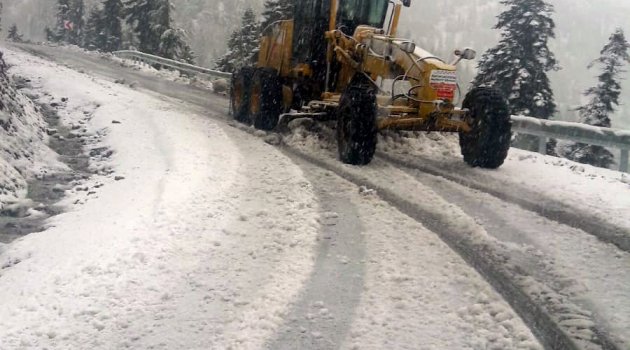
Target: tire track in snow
{"x":323,"y":315}
{"x":587,"y":278}
{"x":546,"y":207}
{"x":480,"y":254}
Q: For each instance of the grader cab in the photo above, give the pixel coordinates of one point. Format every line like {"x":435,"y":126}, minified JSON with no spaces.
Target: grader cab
{"x":342,"y":60}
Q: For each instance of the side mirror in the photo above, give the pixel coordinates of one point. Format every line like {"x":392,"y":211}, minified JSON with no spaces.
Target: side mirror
{"x":467,"y":54}
{"x":408,"y":46}
{"x":406,"y":3}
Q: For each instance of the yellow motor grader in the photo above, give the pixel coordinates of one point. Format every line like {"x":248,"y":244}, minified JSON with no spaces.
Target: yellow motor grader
{"x":342,"y":60}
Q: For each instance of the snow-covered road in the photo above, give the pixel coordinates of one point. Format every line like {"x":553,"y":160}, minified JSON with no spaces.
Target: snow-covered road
{"x":214,"y":239}
{"x":196,"y":235}
{"x":193,"y":237}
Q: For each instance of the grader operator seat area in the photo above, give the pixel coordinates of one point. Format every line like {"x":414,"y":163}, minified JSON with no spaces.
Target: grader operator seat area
{"x":312,"y":20}
{"x":353,"y":13}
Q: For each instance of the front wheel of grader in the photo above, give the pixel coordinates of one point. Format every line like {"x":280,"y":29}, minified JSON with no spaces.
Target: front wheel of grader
{"x":240,"y":91}
{"x":356,"y":123}
{"x":488,"y":143}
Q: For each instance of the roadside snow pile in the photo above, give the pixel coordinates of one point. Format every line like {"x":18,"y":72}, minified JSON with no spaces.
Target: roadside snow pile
{"x":434,"y":145}
{"x":23,"y":151}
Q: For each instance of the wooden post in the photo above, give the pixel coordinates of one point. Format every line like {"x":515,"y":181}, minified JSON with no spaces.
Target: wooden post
{"x":623,"y":162}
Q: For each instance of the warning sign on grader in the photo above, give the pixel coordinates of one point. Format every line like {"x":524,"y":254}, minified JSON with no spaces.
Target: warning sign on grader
{"x":445,"y":83}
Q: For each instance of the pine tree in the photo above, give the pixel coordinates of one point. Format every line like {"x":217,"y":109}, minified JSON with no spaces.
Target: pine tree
{"x":276,"y":10}
{"x":604,"y":98}
{"x":138,"y":17}
{"x":63,"y":15}
{"x":1,"y":8}
{"x":95,"y":38}
{"x":76,"y":17}
{"x":519,"y":64}
{"x":173,"y":46}
{"x":14,"y":35}
{"x":151,"y":20}
{"x":112,"y":24}
{"x":242,"y":46}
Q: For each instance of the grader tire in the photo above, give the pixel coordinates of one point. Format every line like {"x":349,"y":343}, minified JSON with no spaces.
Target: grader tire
{"x":488,"y":143}
{"x":240,"y":91}
{"x":356,"y":123}
{"x":266,"y":99}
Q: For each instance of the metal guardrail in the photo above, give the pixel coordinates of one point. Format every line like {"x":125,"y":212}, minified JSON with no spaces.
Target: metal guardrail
{"x":576,"y":132}
{"x":142,"y":57}
{"x":545,"y":129}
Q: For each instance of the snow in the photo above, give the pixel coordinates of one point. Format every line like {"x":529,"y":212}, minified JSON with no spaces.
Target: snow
{"x":543,"y":253}
{"x":168,"y":74}
{"x":178,"y":254}
{"x":195,"y":235}
{"x":590,"y":189}
{"x":587,"y":188}
{"x":587,"y":279}
{"x":415,"y":288}
{"x":455,"y":310}
{"x":24,"y":154}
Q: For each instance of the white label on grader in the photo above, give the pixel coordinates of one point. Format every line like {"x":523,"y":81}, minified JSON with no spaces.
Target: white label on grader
{"x":444,"y":77}
{"x":444,"y":82}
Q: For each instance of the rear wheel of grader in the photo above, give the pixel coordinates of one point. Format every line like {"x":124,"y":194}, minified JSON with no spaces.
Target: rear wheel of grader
{"x":356,"y":123}
{"x":266,"y":99}
{"x":488,"y":143}
{"x":240,"y":90}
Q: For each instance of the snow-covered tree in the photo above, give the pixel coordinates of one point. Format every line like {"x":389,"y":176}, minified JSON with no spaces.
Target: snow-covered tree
{"x":173,"y":45}
{"x":1,"y":8}
{"x":104,"y":26}
{"x":519,"y":64}
{"x":95,"y":38}
{"x":152,"y":22}
{"x":139,"y":18}
{"x":112,"y":24}
{"x":76,"y":18}
{"x":14,"y":35}
{"x":242,"y":46}
{"x":276,"y":10}
{"x":63,"y":17}
{"x":604,"y":98}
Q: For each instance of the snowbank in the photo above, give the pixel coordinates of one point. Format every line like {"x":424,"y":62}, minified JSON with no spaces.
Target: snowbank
{"x":24,"y":153}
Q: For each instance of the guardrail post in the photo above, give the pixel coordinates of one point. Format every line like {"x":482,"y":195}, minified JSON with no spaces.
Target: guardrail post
{"x":623,"y":162}
{"x":542,"y":145}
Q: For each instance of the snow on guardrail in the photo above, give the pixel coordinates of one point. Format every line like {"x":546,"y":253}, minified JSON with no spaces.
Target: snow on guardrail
{"x":576,"y":132}
{"x":157,"y":60}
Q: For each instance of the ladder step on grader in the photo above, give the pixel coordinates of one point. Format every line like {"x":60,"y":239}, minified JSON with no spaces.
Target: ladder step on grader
{"x":341,"y":60}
